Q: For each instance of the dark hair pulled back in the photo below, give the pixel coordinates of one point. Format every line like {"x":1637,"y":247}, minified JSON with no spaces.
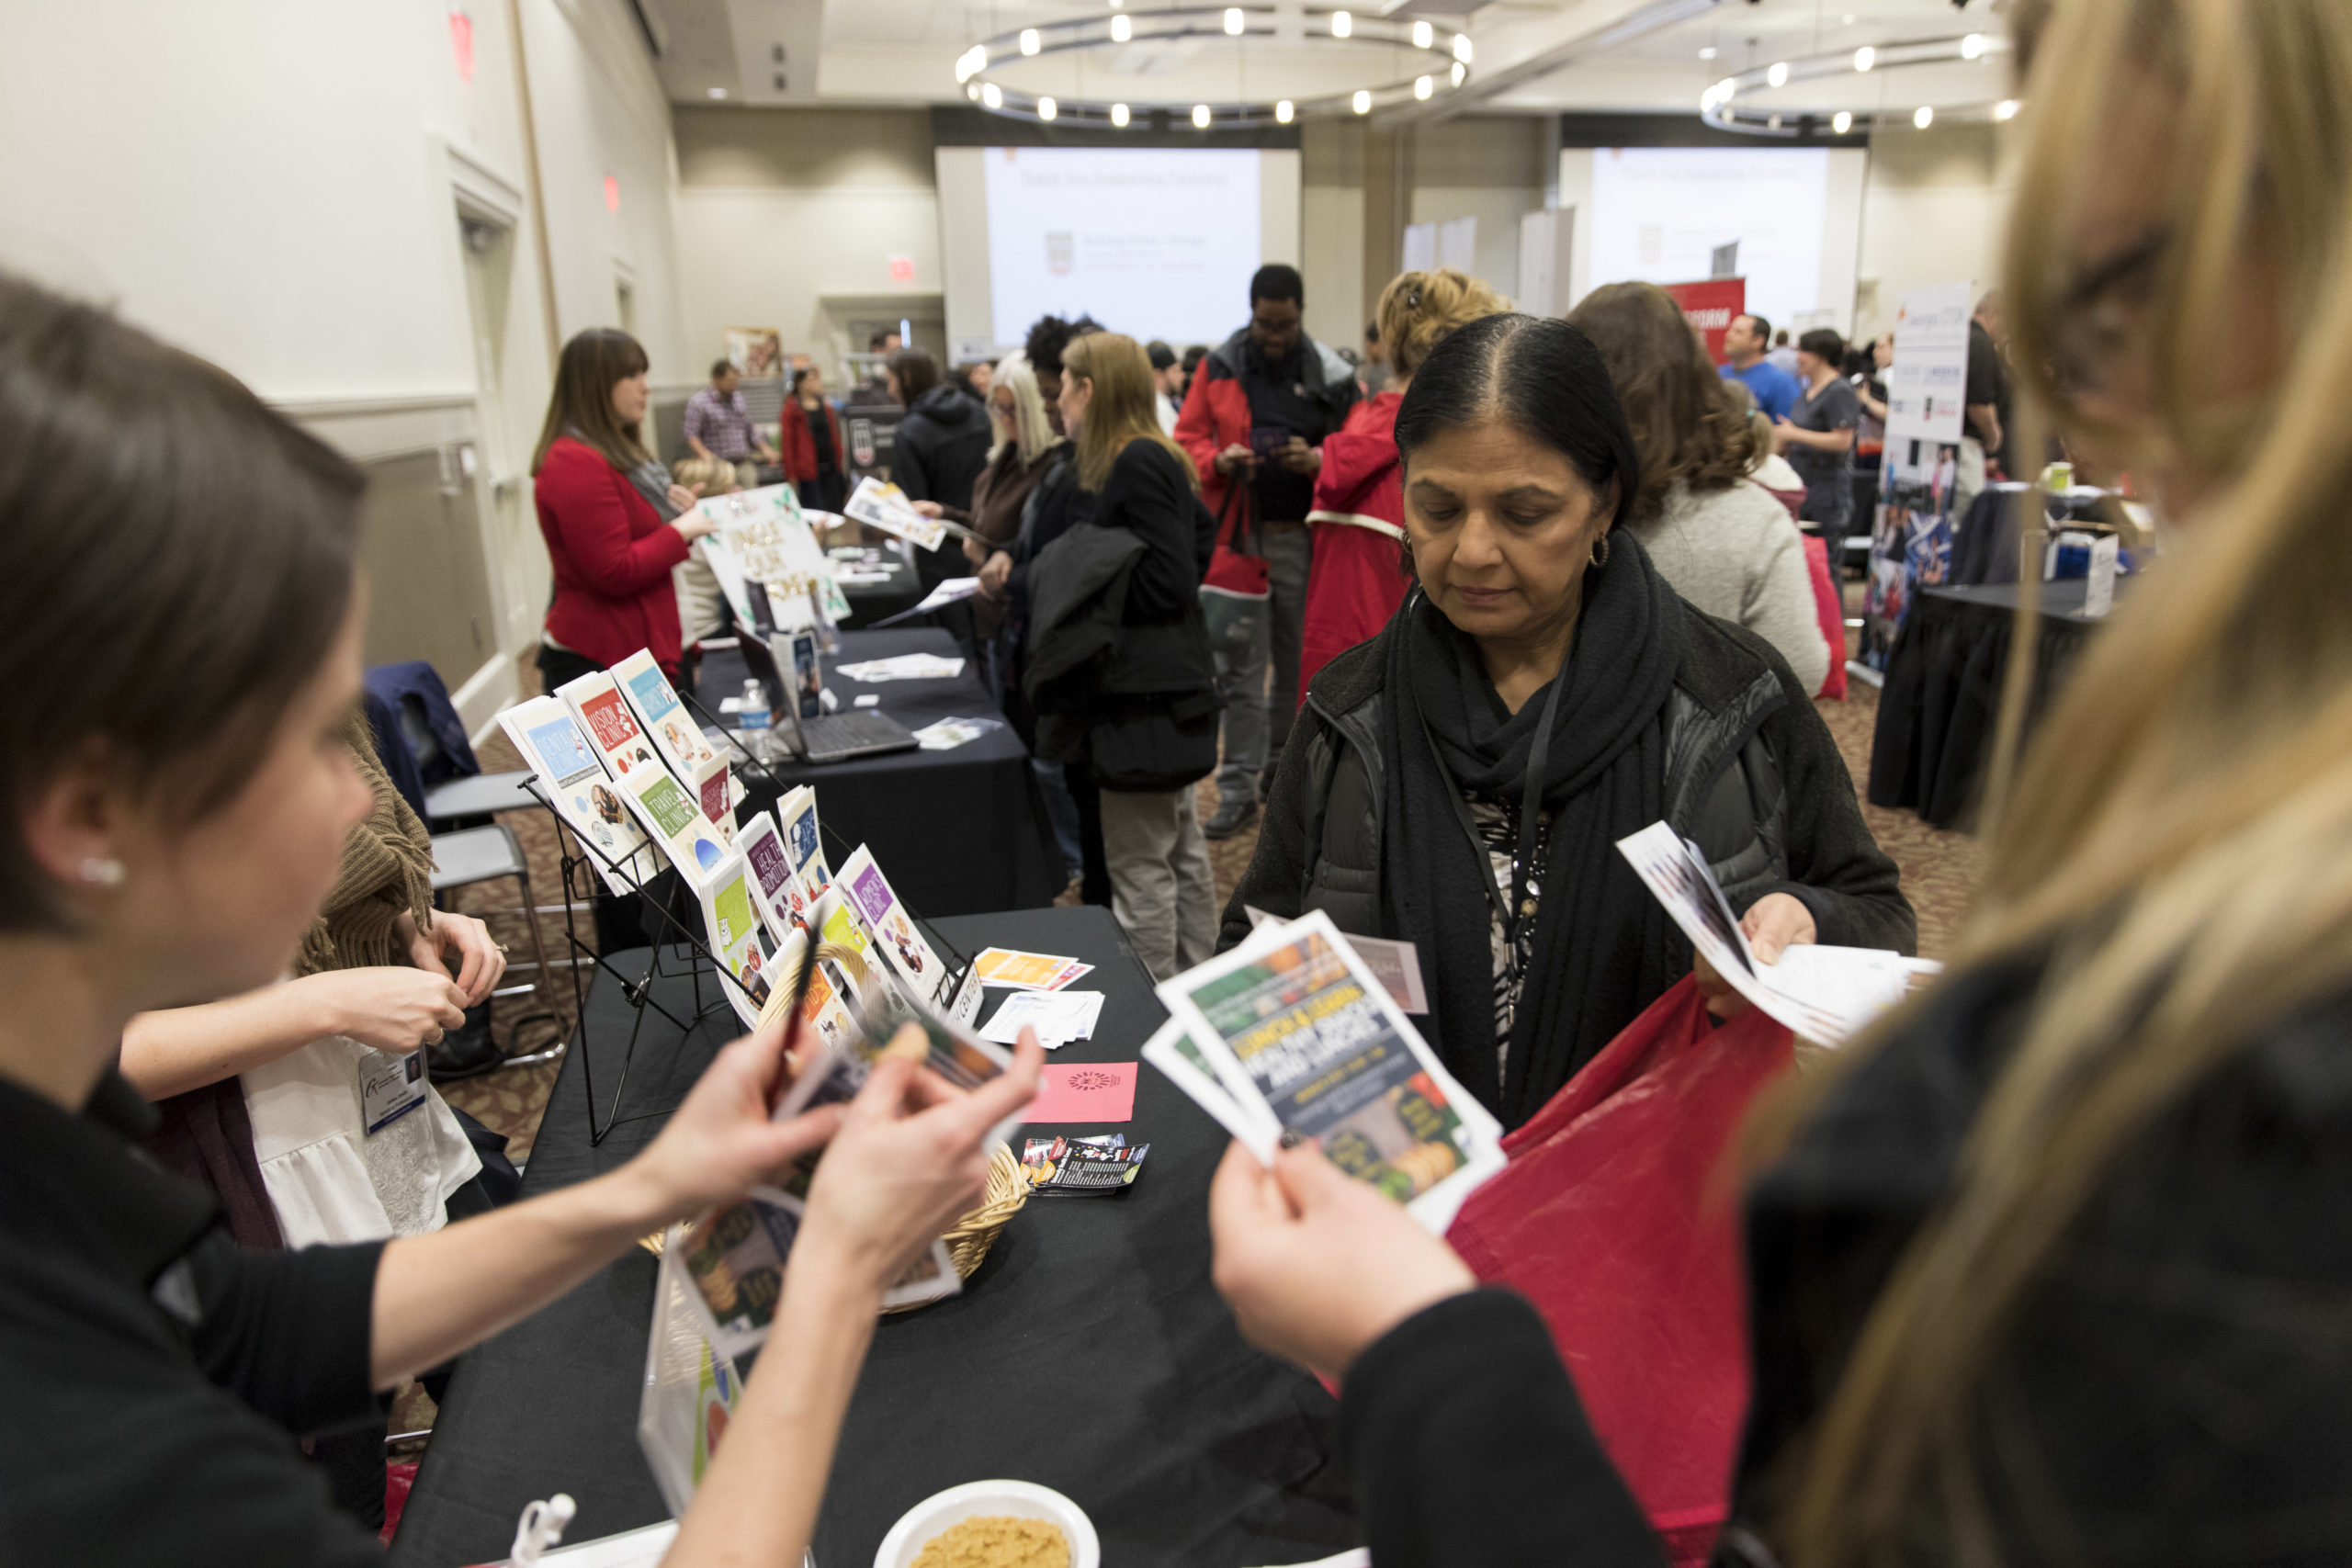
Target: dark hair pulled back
{"x":1541,"y":376}
{"x":180,"y":561}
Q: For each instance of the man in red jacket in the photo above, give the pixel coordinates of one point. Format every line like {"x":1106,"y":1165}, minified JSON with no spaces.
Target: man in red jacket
{"x":1256,"y":414}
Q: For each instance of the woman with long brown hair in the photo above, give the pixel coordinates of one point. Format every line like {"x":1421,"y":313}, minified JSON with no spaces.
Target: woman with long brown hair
{"x":1153,"y":733}
{"x":614,"y":523}
{"x":2057,"y":1268}
{"x":1719,"y":540}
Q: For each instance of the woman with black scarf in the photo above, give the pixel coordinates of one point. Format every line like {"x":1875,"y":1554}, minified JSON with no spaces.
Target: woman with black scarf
{"x":1541,"y":695}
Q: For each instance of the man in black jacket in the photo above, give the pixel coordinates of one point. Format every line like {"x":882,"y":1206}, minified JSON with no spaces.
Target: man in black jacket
{"x":943,"y":444}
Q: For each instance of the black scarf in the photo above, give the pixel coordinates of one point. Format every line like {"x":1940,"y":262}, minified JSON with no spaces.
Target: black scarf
{"x":1602,"y":949}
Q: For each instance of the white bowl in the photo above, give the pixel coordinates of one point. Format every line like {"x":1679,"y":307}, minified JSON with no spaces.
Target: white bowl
{"x":980,"y":1499}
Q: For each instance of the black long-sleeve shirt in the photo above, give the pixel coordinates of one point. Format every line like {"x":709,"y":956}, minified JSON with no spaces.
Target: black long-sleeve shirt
{"x":2174,"y":1386}
{"x":1149,"y":494}
{"x":151,"y":1374}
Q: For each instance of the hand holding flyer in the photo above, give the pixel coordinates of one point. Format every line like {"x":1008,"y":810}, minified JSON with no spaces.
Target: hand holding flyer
{"x":885,"y":506}
{"x":1305,"y":1040}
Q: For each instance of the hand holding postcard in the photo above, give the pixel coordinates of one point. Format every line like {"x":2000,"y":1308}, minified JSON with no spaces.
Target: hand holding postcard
{"x":1306,"y":1040}
{"x":886,"y":507}
{"x":1826,"y":994}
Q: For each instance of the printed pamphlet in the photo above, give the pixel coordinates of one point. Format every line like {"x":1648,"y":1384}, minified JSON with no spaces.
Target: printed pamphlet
{"x":1026,"y":971}
{"x":1172,"y":1050}
{"x":762,"y":843}
{"x":796,"y":817}
{"x":1308,"y":1040}
{"x":903,"y":948}
{"x":741,"y":937}
{"x":886,"y":506}
{"x":674,"y":731}
{"x":573,"y":777}
{"x":670,"y":817}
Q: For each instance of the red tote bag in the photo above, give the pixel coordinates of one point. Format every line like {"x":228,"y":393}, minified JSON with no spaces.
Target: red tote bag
{"x":1617,"y":1220}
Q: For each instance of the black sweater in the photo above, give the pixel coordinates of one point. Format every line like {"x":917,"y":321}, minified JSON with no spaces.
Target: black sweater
{"x":2177,"y":1381}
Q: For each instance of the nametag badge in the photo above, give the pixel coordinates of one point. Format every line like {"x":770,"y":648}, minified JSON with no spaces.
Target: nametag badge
{"x":389,"y":1087}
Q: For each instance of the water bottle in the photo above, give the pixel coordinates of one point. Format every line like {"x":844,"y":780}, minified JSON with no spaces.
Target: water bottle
{"x":753,"y":720}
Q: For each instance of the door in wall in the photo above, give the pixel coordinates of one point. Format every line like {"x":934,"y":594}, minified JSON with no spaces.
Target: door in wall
{"x":514,"y":553}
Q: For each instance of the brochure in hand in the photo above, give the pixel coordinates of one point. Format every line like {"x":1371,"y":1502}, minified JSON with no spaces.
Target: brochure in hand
{"x":672,"y":818}
{"x":573,"y":777}
{"x":886,"y":506}
{"x":1306,"y":1040}
{"x":1826,"y":994}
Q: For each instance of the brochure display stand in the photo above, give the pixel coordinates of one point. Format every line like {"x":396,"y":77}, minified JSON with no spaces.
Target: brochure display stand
{"x":589,"y":871}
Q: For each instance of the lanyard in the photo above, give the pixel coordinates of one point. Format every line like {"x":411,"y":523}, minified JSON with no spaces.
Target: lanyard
{"x":1530,"y":801}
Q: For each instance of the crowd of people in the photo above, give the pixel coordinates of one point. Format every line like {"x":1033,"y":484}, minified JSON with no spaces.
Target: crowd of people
{"x":2049,"y":1270}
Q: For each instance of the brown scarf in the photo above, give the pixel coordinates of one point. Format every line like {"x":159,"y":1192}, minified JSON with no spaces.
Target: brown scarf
{"x":387,"y":872}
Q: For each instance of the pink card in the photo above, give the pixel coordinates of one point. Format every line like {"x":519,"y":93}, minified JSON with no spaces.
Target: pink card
{"x":1085,"y":1092}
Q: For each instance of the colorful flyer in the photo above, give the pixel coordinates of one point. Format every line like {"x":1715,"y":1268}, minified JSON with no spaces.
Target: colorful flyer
{"x":902,"y":946}
{"x":573,"y":777}
{"x":741,"y":938}
{"x":713,"y":788}
{"x":670,"y":817}
{"x":1026,"y":971}
{"x":1306,"y":1040}
{"x":664,"y":719}
{"x":762,"y":844}
{"x":796,"y":815}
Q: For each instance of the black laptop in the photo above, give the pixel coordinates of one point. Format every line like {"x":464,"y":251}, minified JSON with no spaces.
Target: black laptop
{"x":824,"y":737}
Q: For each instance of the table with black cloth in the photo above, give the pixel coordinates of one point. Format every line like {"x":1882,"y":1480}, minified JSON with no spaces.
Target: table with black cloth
{"x":898,"y":591}
{"x":1089,"y":1353}
{"x":958,"y":831}
{"x":1943,"y":696}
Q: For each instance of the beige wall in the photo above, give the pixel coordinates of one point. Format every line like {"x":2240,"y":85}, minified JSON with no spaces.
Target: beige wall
{"x":1934,"y":209}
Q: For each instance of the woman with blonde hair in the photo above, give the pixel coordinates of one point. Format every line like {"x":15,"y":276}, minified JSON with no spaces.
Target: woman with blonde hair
{"x":1025,"y":440}
{"x":2055,"y":1269}
{"x":1152,"y":733}
{"x":1358,"y":577}
{"x":1718,"y":536}
{"x":700,"y":598}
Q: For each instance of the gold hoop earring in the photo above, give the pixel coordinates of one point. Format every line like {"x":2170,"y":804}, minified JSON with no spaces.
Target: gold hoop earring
{"x":1600,"y":552}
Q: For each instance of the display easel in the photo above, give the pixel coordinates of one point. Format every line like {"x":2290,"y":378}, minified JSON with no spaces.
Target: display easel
{"x":582,"y":884}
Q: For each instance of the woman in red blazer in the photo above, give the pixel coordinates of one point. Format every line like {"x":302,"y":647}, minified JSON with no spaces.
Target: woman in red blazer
{"x":614,"y":523}
{"x":820,"y":470}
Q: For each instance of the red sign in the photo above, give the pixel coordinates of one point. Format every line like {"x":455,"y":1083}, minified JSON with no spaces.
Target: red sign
{"x":1709,"y":308}
{"x":612,"y":194}
{"x":462,"y":41}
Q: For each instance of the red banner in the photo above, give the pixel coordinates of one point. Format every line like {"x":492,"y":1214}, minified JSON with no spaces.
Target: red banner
{"x":1709,"y":308}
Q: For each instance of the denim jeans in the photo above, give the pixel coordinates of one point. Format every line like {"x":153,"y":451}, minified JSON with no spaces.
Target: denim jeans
{"x":1257,"y":722}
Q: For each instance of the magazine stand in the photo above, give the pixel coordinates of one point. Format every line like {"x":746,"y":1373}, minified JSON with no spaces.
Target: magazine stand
{"x":580,"y":887}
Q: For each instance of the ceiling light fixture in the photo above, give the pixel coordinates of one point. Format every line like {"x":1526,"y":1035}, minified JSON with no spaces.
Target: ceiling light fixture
{"x":973,"y":92}
{"x":718,"y":92}
{"x":1462,"y":47}
{"x":1119,"y":116}
{"x":1840,"y":123}
{"x":1865,"y":57}
{"x":1047,"y":108}
{"x":1460,"y":70}
{"x":1778,"y":75}
{"x":1924,"y":116}
{"x":1973,"y":47}
{"x":1200,"y":117}
{"x":2006,"y":109}
{"x":1423,"y":87}
{"x":1122,"y":28}
{"x":1342,"y":25}
{"x":991,"y":95}
{"x":1283,"y":112}
{"x":1029,"y":40}
{"x":1708,"y":53}
{"x":1233,"y":21}
{"x":1362,"y":102}
{"x":1423,"y":34}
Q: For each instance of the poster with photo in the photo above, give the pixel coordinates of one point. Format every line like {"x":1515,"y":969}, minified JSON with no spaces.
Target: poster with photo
{"x":757,"y":353}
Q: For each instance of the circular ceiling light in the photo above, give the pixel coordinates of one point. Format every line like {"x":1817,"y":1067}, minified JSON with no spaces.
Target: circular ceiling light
{"x":1362,"y":102}
{"x":1973,"y":47}
{"x":1423,"y":87}
{"x":1119,"y":116}
{"x":1865,"y":57}
{"x":1460,"y":70}
{"x":991,"y":95}
{"x":1924,"y":116}
{"x":1778,"y":75}
{"x":1462,"y":47}
{"x":2006,"y":109}
{"x":1029,"y":40}
{"x":1726,"y":105}
{"x":1423,"y":34}
{"x":1342,"y":25}
{"x":1047,"y":108}
{"x":1233,"y":21}
{"x":1708,"y":53}
{"x":1841,"y":122}
{"x":1200,"y":117}
{"x":1283,"y":112}
{"x":1122,"y":28}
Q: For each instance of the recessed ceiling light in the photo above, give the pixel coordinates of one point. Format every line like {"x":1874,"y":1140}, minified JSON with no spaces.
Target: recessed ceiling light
{"x":2006,"y":109}
{"x":1342,"y":24}
{"x":1462,"y":47}
{"x":1119,"y":116}
{"x":992,"y":94}
{"x":1460,"y":70}
{"x":718,"y":92}
{"x":1200,"y":117}
{"x":1778,"y":75}
{"x":1924,"y":116}
{"x":1973,"y":47}
{"x":1233,"y":21}
{"x":1708,"y":53}
{"x":1841,"y":122}
{"x":1122,"y":28}
{"x":1423,"y":34}
{"x":1283,"y":112}
{"x":1029,"y":44}
{"x":1423,"y":87}
{"x":1362,"y":102}
{"x":1047,"y":108}
{"x":1865,"y":57}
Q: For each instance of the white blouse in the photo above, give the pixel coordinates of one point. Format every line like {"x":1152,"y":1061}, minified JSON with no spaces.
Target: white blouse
{"x":328,"y":1180}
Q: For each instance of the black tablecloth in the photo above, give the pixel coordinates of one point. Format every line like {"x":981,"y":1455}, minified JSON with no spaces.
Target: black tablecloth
{"x":1089,"y":1353}
{"x":959,"y":831}
{"x":1936,"y":712}
{"x":872,"y":601}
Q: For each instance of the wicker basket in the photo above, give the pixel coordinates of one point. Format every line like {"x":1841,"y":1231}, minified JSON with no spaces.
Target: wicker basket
{"x":970,"y":1238}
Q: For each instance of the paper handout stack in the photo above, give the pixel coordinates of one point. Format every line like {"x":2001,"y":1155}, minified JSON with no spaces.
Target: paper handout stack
{"x":1826,"y":994}
{"x":1292,"y":1033}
